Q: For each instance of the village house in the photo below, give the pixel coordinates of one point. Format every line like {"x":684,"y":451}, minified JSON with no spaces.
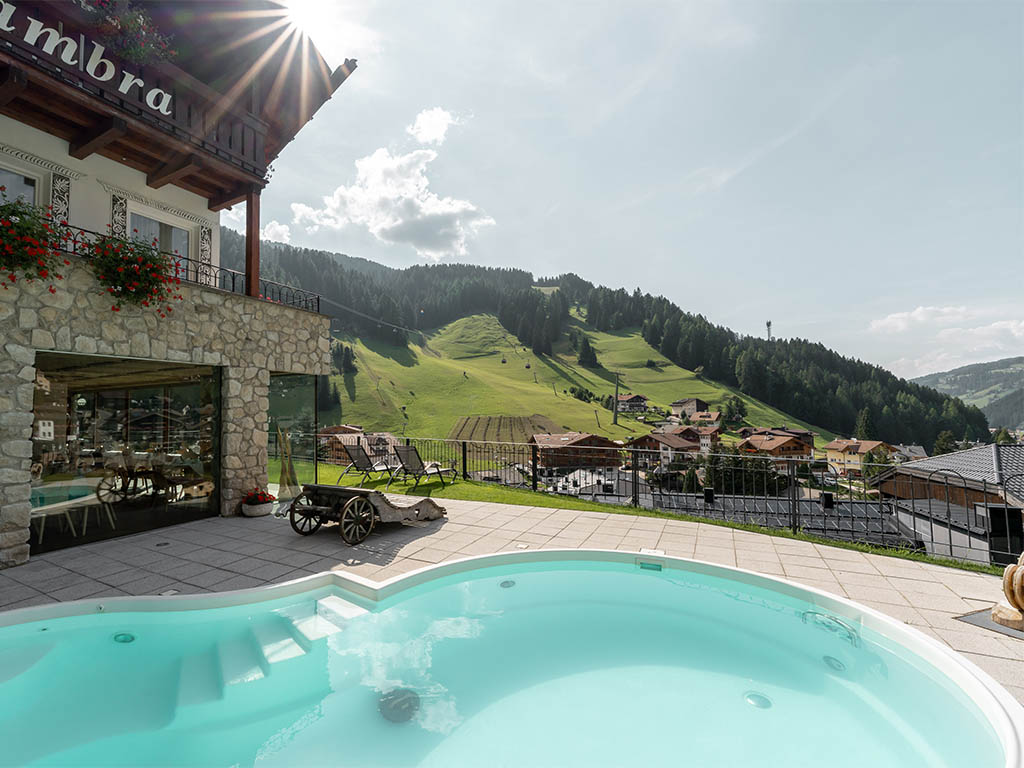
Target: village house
{"x":687,"y":407}
{"x":783,"y":448}
{"x":149,"y":414}
{"x":662,"y":448}
{"x":632,"y":403}
{"x":575,"y":449}
{"x":847,"y":457}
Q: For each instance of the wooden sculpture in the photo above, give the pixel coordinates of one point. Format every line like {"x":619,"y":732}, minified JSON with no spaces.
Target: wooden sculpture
{"x":1011,"y":612}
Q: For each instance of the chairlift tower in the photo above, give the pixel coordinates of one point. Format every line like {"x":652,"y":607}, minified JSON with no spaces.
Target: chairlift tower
{"x":615,"y":402}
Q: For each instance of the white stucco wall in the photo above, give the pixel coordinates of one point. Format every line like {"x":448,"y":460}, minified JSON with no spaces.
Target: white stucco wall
{"x":29,"y":151}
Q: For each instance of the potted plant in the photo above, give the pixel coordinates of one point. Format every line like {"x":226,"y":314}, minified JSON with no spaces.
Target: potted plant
{"x":258,"y":503}
{"x":133,"y":271}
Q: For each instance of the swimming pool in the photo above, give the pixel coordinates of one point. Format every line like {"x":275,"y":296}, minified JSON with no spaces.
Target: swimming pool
{"x":44,"y":495}
{"x":550,"y":658}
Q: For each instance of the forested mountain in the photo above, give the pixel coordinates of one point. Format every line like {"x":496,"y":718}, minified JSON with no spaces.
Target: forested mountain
{"x":797,"y":376}
{"x":997,"y":388}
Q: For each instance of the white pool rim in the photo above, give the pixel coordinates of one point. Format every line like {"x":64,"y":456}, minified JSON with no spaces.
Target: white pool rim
{"x":1003,"y":712}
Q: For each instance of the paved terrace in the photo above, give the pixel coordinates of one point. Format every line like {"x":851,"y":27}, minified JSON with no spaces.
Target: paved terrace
{"x":220,"y":554}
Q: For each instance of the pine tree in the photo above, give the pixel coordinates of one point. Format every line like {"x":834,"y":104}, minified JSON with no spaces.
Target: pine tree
{"x":864,"y":429}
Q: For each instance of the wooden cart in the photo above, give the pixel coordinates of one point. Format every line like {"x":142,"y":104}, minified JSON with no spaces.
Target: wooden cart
{"x":356,"y":510}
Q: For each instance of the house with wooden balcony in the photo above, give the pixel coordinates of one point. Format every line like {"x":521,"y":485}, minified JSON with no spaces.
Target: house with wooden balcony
{"x":154,"y":414}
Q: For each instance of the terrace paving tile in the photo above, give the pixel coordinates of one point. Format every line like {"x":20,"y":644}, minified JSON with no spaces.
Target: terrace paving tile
{"x":210,"y":578}
{"x":37,"y":599}
{"x":218,"y":554}
{"x":79,"y":591}
{"x":949,"y":603}
{"x":885,"y":596}
{"x":151,"y":585}
{"x":16,"y":593}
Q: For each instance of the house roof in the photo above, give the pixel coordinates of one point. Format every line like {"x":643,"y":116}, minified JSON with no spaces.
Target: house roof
{"x":676,"y":442}
{"x":707,"y":429}
{"x":686,"y":400}
{"x":768,"y":442}
{"x":626,"y":398}
{"x":984,"y":466}
{"x":854,"y":446}
{"x":911,"y":451}
{"x":563,"y":439}
{"x":341,"y":429}
{"x":706,"y":416}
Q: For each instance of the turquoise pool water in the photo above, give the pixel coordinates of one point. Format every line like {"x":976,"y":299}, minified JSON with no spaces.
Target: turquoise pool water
{"x":43,"y":495}
{"x":536,"y":664}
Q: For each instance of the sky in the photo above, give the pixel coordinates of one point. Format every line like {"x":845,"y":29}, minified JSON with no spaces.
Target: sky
{"x":852,"y":171}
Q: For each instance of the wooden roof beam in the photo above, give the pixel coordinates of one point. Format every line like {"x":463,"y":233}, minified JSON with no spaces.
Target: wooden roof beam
{"x":89,"y":142}
{"x":174,"y":170}
{"x":12,"y":82}
{"x":229,"y":198}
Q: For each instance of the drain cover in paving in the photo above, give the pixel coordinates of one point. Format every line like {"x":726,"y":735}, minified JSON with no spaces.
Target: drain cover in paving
{"x":983,"y":618}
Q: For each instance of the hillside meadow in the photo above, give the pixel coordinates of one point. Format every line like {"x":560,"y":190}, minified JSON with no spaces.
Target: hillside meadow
{"x":474,"y":367}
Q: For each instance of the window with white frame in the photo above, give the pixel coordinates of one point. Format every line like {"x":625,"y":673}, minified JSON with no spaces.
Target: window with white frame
{"x":17,"y":184}
{"x":168,"y":237}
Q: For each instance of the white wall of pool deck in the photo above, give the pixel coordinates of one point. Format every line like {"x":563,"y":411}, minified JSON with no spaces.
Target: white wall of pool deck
{"x":248,"y":339}
{"x":1004,"y":713}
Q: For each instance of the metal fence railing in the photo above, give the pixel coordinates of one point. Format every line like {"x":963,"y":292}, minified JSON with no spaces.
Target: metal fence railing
{"x":888,"y":505}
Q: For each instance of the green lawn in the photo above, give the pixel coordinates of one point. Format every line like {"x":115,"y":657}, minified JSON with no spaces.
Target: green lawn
{"x":457,"y":371}
{"x":497,"y":494}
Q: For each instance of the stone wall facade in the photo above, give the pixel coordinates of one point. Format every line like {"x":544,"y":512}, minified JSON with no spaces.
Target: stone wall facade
{"x":247,"y":338}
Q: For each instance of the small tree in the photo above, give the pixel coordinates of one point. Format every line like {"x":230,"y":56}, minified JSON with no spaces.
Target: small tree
{"x":944,"y":443}
{"x":1003,"y":437}
{"x":876,"y":462}
{"x":690,"y":482}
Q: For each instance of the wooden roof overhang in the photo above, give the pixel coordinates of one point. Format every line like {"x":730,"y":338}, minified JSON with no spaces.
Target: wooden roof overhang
{"x":244,"y":84}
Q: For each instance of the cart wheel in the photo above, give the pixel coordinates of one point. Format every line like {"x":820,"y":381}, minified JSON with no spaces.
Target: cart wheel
{"x":112,"y":488}
{"x":357,"y":519}
{"x":303,"y":519}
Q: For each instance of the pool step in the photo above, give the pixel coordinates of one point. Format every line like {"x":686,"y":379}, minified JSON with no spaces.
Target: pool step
{"x":17,"y":661}
{"x":276,"y":642}
{"x":240,"y":660}
{"x":199,"y":680}
{"x":328,"y":616}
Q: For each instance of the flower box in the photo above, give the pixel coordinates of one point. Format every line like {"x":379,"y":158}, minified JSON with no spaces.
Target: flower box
{"x":258,"y":510}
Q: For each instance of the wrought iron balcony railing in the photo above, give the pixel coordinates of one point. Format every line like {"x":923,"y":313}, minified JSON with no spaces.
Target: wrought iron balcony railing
{"x":210,"y":275}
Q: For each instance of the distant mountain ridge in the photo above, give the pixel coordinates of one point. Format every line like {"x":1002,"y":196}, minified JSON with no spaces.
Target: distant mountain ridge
{"x":996,"y":387}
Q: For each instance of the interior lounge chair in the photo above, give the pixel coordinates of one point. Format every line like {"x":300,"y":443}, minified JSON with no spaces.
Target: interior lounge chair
{"x":361,"y":462}
{"x":410,"y":463}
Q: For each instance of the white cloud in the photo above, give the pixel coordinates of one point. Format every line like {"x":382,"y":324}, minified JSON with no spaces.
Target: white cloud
{"x":391,"y":197}
{"x":234,"y":218}
{"x":951,"y":336}
{"x":277,"y":232}
{"x":900,"y":322}
{"x":431,"y":125}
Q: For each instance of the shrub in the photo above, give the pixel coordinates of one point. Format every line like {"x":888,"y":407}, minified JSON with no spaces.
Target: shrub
{"x":136,"y":272}
{"x":31,"y":243}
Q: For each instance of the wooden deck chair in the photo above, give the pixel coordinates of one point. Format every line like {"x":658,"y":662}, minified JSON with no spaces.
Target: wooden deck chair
{"x":410,"y":463}
{"x":360,"y":461}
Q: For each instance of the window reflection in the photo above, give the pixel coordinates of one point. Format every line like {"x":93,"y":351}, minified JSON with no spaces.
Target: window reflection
{"x":291,"y":434}
{"x":120,"y":446}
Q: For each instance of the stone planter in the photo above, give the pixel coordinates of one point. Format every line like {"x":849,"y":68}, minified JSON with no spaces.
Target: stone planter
{"x":258,"y":510}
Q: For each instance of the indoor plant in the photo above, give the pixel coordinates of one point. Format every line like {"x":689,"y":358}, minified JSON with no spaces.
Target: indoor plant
{"x":258,"y":503}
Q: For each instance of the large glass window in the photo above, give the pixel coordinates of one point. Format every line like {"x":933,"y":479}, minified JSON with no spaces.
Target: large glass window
{"x":168,"y":237}
{"x":17,"y":185}
{"x":120,"y":446}
{"x":291,"y":437}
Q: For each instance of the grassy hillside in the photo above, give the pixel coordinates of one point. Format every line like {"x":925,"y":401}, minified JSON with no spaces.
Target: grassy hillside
{"x":458,"y":372}
{"x":995,"y":387}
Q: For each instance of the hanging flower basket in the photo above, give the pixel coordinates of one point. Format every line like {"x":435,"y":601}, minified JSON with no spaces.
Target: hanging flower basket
{"x":127,"y":29}
{"x":31,"y":243}
{"x":133,"y":271}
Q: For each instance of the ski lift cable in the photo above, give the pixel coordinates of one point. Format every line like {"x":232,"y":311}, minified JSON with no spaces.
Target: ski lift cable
{"x":365,"y":316}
